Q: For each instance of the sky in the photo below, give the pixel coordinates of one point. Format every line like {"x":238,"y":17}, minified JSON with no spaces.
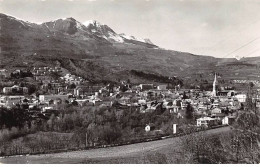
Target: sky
{"x":219,"y":28}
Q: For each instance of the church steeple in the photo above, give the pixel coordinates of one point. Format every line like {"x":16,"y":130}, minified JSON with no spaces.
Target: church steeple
{"x":214,"y":92}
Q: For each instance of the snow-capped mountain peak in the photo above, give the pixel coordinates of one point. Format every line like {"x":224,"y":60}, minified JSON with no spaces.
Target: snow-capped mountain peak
{"x":136,"y":39}
{"x":103,"y":31}
{"x":87,"y":30}
{"x":92,"y":22}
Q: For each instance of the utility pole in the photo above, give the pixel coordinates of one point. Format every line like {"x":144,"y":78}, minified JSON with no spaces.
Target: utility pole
{"x":250,"y":99}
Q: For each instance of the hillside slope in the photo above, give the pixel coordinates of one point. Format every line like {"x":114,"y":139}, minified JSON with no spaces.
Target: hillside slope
{"x":97,"y":52}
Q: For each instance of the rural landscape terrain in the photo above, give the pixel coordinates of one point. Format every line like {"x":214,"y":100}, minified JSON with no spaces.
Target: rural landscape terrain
{"x":73,"y":92}
{"x":161,"y":151}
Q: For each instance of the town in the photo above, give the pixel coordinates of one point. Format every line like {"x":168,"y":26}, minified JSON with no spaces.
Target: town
{"x":43,"y":90}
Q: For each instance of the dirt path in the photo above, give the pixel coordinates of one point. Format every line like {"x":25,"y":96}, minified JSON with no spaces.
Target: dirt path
{"x":134,"y":151}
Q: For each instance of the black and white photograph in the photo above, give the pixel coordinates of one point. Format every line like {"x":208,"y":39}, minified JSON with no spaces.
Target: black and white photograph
{"x":129,"y":82}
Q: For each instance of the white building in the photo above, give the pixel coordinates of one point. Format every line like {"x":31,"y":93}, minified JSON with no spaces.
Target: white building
{"x":141,"y":101}
{"x":146,"y":86}
{"x":216,"y":111}
{"x":7,"y":90}
{"x":147,"y":128}
{"x":69,"y":78}
{"x":204,"y":121}
{"x":15,"y":88}
{"x":241,"y":98}
{"x":227,"y":120}
{"x":162,"y":87}
{"x":46,"y":98}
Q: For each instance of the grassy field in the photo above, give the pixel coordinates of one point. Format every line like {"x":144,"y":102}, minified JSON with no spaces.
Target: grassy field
{"x":161,"y":151}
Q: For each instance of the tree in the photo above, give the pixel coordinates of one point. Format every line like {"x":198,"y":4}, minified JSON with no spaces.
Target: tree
{"x":75,"y":103}
{"x":242,"y":143}
{"x":123,"y":88}
{"x":238,"y":145}
{"x":189,"y":112}
{"x":55,"y":75}
{"x":51,"y":102}
{"x":31,"y":88}
{"x":184,"y":95}
{"x":49,"y":86}
{"x":72,"y":86}
{"x":202,"y":148}
{"x":250,"y":99}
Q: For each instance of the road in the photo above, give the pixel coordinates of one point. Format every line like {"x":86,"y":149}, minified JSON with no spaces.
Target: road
{"x":120,"y":154}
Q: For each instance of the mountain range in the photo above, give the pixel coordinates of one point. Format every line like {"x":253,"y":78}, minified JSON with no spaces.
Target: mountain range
{"x":96,"y":52}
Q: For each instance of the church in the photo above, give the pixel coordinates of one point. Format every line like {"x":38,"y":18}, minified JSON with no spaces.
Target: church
{"x":215,"y":83}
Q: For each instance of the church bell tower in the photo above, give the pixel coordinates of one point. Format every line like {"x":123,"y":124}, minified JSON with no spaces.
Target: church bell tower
{"x":215,"y":83}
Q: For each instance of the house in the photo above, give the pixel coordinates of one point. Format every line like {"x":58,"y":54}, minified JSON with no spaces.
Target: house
{"x":96,"y":102}
{"x":205,"y":121}
{"x":143,"y":108}
{"x":141,"y":101}
{"x":200,"y":112}
{"x":174,"y":109}
{"x":146,"y":86}
{"x":43,"y":77}
{"x":86,"y":90}
{"x":216,"y":111}
{"x":241,"y":98}
{"x":180,"y":114}
{"x":72,"y":79}
{"x":183,"y":104}
{"x":9,"y":101}
{"x":47,"y":98}
{"x":162,"y":87}
{"x":7,"y":90}
{"x":228,"y":120}
{"x":227,"y":93}
{"x":225,"y":104}
{"x":106,"y":103}
{"x":171,"y":107}
{"x":45,"y":70}
{"x":49,"y":112}
{"x":124,"y":100}
{"x":231,"y":93}
{"x":16,"y":72}
{"x":149,"y":127}
{"x":15,"y":90}
{"x":218,"y":116}
{"x":3,"y":73}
